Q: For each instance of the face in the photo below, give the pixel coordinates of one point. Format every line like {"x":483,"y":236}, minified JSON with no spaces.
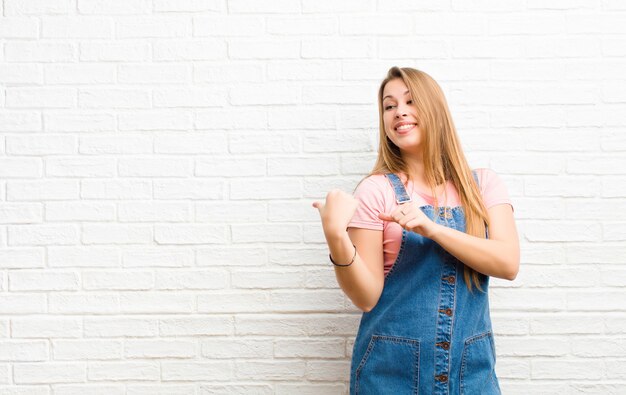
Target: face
{"x":400,"y":117}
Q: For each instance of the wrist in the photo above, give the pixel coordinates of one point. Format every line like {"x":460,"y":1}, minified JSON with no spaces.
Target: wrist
{"x":434,"y":231}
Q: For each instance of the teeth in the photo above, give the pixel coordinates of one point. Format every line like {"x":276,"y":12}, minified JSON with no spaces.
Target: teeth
{"x":405,"y":127}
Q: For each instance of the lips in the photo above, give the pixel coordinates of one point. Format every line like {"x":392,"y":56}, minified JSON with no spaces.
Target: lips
{"x":401,"y":127}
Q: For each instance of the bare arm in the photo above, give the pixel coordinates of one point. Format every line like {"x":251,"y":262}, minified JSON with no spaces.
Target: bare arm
{"x":497,"y":256}
{"x":363,"y":280}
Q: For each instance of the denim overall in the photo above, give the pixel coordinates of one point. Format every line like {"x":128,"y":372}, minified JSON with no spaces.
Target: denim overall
{"x":428,"y":334}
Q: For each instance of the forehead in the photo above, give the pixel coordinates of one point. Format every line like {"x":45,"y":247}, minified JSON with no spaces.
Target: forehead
{"x":395,"y":88}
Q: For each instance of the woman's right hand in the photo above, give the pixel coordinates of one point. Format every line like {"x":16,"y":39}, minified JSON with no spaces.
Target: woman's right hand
{"x":336,"y":212}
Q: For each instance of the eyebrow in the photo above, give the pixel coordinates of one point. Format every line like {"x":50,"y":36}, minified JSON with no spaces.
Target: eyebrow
{"x":392,"y":96}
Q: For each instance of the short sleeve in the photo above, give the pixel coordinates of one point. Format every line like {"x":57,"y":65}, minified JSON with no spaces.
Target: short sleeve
{"x":371,"y":199}
{"x":492,"y":187}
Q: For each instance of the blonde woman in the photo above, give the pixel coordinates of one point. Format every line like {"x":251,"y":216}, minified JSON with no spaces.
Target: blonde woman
{"x":415,"y":247}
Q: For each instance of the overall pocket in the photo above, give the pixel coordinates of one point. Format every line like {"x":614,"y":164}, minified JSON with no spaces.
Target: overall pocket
{"x":478,"y":375}
{"x":390,"y":366}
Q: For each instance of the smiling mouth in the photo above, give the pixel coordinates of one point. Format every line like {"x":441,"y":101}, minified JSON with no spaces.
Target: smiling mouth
{"x":404,"y":128}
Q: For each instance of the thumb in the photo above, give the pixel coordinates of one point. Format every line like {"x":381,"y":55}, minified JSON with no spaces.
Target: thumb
{"x":385,"y":217}
{"x":318,"y":205}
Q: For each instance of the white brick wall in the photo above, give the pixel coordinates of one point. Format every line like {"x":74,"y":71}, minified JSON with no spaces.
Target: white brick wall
{"x":158,"y":159}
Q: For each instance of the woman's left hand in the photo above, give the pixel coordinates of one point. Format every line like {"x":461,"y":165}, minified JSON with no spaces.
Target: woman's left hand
{"x":411,"y":218}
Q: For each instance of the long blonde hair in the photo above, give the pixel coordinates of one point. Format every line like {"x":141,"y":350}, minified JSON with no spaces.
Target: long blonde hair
{"x":441,"y":149}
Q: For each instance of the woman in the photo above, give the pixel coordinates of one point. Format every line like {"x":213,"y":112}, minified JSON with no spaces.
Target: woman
{"x":415,"y":247}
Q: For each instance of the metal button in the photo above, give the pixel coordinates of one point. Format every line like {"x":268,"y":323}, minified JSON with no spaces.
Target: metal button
{"x":444,"y":345}
{"x":448,"y":312}
{"x":451,"y":280}
{"x":442,"y":377}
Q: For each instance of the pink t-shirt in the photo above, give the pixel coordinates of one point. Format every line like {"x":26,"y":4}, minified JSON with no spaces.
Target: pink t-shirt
{"x":377,"y":196}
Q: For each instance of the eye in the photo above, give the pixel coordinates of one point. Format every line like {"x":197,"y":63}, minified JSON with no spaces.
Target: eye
{"x":389,"y":107}
{"x":409,"y":102}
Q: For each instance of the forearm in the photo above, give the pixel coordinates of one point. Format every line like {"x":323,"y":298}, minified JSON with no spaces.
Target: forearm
{"x":357,"y":281}
{"x":490,"y":257}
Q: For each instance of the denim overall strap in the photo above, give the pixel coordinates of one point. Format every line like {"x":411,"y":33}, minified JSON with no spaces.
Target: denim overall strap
{"x":401,"y":195}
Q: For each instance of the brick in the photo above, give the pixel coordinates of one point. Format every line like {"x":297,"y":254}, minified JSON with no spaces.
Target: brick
{"x":191,"y":143}
{"x":290,"y":211}
{"x":72,"y":350}
{"x":310,"y":389}
{"x":259,"y":389}
{"x":18,"y":51}
{"x":141,"y":371}
{"x":153,"y":74}
{"x":191,"y":279}
{"x":389,"y":48}
{"x":40,"y":97}
{"x":263,"y":49}
{"x":118,"y":280}
{"x":115,"y":51}
{"x":79,"y":74}
{"x":270,"y":370}
{"x":229,"y":212}
{"x":189,"y":97}
{"x":111,"y":144}
{"x":196,"y":371}
{"x":607,"y":164}
{"x":593,"y":300}
{"x":263,"y":142}
{"x":230,"y":167}
{"x":346,"y":141}
{"x":23,"y":351}
{"x":158,"y":257}
{"x":533,"y":347}
{"x":115,"y":189}
{"x":318,"y":187}
{"x":310,"y":348}
{"x":188,"y":5}
{"x":196,"y":326}
{"x":42,"y":235}
{"x":65,"y":303}
{"x":262,"y":189}
{"x":298,"y":70}
{"x":46,"y":327}
{"x":153,"y":120}
{"x":21,"y":213}
{"x":153,"y":212}
{"x":190,"y":234}
{"x":38,"y":7}
{"x":247,"y":7}
{"x":234,"y":302}
{"x":20,"y":73}
{"x":79,"y":122}
{"x":80,"y":389}
{"x":160,"y":389}
{"x":154,"y":167}
{"x":189,"y":189}
{"x":327,"y":370}
{"x":226,"y":73}
{"x":116,"y":7}
{"x":185,"y":50}
{"x":14,"y":121}
{"x":80,"y":167}
{"x":230,"y":256}
{"x":597,"y":347}
{"x":116,"y":234}
{"x":43,"y":281}
{"x":153,"y":27}
{"x":313,"y":118}
{"x":304,"y":25}
{"x":562,"y":231}
{"x":76,"y":27}
{"x":223,"y":348}
{"x":309,"y":255}
{"x":49,"y":373}
{"x":329,"y":6}
{"x":379,"y":25}
{"x":275,"y":233}
{"x":39,"y":145}
{"x":91,"y":256}
{"x":157,"y":302}
{"x":566,"y":368}
{"x":228,"y":25}
{"x":160,"y":349}
{"x":267,"y":279}
{"x":561,"y":186}
{"x":21,"y":258}
{"x":344,"y":47}
{"x":528,"y":299}
{"x":120,"y":327}
{"x":230,"y":119}
{"x":113,"y":98}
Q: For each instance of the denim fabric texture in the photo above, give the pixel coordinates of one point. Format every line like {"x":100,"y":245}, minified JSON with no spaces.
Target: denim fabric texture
{"x":428,"y":334}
